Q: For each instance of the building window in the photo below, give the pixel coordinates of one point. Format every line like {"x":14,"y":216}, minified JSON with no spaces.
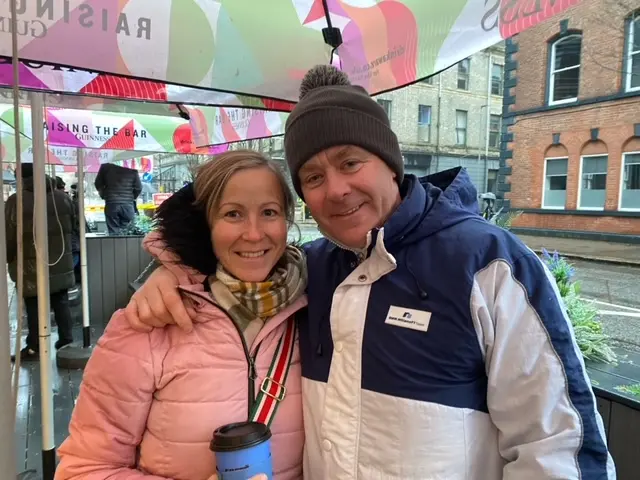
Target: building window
{"x":386,"y":105}
{"x":593,"y":182}
{"x":555,"y":183}
{"x":630,"y":194}
{"x":497,"y":75}
{"x":464,"y":67}
{"x":492,"y":181}
{"x":428,"y":80}
{"x":461,"y":127}
{"x":494,"y":131}
{"x":424,"y":123}
{"x":633,"y":54}
{"x":564,"y":80}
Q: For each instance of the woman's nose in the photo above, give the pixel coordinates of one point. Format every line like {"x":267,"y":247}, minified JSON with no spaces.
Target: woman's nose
{"x":254,"y":231}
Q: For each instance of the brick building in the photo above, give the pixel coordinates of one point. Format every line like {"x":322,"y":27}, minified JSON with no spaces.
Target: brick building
{"x":570,"y":156}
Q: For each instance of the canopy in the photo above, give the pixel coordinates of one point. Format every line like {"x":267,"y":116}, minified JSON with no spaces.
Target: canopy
{"x":208,"y":126}
{"x":255,"y":48}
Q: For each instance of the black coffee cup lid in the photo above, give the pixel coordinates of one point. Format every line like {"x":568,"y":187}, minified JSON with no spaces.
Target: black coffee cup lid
{"x":237,"y":436}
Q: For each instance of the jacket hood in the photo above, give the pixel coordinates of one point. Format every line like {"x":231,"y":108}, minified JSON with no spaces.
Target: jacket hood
{"x":183,"y":227}
{"x":431,"y":204}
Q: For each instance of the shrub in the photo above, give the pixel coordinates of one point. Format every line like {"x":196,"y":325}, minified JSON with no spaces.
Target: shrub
{"x":591,"y":339}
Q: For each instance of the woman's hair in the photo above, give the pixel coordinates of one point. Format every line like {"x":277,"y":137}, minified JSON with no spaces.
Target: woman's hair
{"x":212,"y":177}
{"x":182,"y":219}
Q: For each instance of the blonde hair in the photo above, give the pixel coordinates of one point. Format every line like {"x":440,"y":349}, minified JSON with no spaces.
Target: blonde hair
{"x":212,"y":177}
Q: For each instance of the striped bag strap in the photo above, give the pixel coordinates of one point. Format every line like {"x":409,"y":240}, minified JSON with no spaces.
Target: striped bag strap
{"x":272,"y":388}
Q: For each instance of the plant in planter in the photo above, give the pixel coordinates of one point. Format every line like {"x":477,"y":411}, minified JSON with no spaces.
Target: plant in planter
{"x":592,"y":341}
{"x":140,"y":225}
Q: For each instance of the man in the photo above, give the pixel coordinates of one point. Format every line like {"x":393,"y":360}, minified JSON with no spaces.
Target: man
{"x":118,"y":187}
{"x":436,"y":345}
{"x":62,"y":224}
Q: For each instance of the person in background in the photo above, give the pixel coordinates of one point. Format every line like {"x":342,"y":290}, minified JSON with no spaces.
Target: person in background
{"x":150,"y":402}
{"x":436,"y":345}
{"x":60,"y":185}
{"x":119,"y":187}
{"x":62,"y":225}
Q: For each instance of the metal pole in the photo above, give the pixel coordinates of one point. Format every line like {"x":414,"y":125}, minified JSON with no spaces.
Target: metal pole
{"x":7,"y":449}
{"x":488,"y":125}
{"x":84,"y":278}
{"x":42,"y":272}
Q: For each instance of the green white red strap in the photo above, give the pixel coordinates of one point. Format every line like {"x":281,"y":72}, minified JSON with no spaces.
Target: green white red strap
{"x":272,"y":389}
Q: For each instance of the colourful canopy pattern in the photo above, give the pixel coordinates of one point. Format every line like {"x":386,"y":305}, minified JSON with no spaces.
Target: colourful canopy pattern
{"x":66,"y":127}
{"x":249,"y":47}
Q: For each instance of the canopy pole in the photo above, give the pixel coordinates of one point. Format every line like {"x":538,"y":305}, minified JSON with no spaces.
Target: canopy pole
{"x":84,"y":277}
{"x":42,"y":272}
{"x":7,"y":424}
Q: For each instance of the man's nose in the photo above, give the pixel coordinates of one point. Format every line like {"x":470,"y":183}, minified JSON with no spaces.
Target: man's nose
{"x":337,"y":187}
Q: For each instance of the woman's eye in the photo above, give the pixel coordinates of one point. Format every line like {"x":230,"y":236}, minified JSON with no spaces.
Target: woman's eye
{"x":270,"y":212}
{"x":232,"y":214}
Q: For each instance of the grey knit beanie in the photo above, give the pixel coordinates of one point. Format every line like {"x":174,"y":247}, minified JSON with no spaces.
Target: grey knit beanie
{"x":333,"y":112}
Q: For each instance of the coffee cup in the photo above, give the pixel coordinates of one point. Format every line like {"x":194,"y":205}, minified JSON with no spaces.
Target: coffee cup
{"x":242,"y":450}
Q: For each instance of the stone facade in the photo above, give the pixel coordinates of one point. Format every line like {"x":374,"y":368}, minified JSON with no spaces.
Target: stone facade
{"x":602,"y":121}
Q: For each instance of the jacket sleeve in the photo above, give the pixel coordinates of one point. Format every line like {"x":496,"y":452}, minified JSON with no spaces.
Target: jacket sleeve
{"x":99,"y":182}
{"x":111,"y":411}
{"x":137,"y":185}
{"x":539,"y":395}
{"x":11,"y":228}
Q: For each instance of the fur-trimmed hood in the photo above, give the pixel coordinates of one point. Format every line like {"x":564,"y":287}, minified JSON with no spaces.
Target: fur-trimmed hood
{"x":183,"y":228}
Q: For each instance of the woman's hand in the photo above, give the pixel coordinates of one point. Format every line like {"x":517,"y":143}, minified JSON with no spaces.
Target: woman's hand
{"x":158,"y":304}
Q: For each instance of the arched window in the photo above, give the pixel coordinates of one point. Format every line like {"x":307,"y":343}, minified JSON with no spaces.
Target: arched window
{"x":632,"y":60}
{"x":564,"y":69}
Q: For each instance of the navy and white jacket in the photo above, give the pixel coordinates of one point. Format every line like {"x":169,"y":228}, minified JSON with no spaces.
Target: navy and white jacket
{"x":443,"y":353}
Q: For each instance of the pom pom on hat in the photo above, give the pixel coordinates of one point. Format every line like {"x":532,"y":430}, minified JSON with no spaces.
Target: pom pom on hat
{"x":322,"y":76}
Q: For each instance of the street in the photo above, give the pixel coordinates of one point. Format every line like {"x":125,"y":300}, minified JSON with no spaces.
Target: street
{"x":614,"y":287}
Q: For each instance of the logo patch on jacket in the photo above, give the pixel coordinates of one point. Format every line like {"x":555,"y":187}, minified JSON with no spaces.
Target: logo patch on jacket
{"x":408,"y":318}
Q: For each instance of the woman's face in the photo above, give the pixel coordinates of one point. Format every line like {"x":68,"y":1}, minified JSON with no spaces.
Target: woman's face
{"x":249,"y":232}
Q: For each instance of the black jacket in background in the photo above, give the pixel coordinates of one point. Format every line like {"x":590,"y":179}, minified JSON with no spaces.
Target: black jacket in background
{"x":59,"y":235}
{"x":117,"y":184}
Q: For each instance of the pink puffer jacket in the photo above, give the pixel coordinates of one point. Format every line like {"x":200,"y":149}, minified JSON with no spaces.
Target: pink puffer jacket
{"x":149,"y":403}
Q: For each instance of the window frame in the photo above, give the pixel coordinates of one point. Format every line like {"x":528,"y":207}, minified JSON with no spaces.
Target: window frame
{"x":552,"y":71}
{"x":620,"y":189}
{"x":467,"y":75}
{"x":466,"y":128}
{"x":388,"y":102}
{"x":580,"y":179}
{"x":544,"y":183}
{"x":629,"y":53}
{"x":501,"y":79}
{"x":420,"y":140}
{"x":495,"y":131}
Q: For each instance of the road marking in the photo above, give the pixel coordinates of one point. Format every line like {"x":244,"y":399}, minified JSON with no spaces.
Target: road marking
{"x":624,"y":307}
{"x":619,"y":314}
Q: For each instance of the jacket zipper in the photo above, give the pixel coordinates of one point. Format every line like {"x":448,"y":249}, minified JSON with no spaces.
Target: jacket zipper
{"x":251,"y":365}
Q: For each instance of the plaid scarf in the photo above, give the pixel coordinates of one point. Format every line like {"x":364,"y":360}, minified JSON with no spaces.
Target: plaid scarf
{"x":251,"y":304}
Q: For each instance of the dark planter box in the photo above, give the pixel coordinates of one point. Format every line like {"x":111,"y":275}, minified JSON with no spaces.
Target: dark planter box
{"x":113,"y":262}
{"x":620,"y":411}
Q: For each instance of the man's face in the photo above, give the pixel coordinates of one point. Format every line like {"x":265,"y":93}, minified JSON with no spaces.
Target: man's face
{"x":349,"y":191}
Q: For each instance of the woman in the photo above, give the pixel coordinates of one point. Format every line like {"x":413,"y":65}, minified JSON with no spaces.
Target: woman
{"x":149,"y":402}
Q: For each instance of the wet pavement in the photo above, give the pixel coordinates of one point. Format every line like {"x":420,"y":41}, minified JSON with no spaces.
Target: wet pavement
{"x":587,"y":249}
